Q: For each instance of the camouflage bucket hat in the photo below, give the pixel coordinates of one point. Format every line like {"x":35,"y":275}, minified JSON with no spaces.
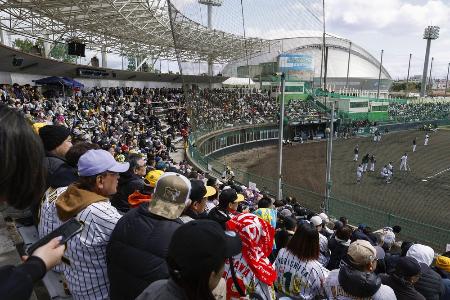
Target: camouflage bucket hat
{"x":171,"y":195}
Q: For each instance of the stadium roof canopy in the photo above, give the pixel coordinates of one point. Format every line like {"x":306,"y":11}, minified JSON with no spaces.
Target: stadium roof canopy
{"x":131,"y":27}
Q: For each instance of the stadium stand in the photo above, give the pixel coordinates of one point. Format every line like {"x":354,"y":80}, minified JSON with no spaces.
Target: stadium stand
{"x":147,"y":122}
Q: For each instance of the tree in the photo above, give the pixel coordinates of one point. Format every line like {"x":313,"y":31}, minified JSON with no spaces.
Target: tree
{"x":131,"y":63}
{"x":59,"y":52}
{"x":24,"y":45}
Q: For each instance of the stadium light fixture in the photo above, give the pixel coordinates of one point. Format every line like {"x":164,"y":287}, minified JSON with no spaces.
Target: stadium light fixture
{"x":430,"y":33}
{"x":211,"y":2}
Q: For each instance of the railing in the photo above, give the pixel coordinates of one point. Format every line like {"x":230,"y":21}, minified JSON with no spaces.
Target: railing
{"x":433,"y":236}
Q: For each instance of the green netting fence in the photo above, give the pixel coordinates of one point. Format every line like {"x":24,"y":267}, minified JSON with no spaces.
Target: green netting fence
{"x":355,"y":212}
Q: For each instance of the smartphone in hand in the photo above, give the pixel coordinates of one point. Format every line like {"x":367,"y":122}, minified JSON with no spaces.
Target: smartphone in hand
{"x":66,"y":231}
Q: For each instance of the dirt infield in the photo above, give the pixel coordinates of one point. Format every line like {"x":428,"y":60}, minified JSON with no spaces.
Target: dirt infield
{"x":408,"y":196}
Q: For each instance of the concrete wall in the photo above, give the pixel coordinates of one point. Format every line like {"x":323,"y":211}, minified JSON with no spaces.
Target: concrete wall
{"x":23,"y":78}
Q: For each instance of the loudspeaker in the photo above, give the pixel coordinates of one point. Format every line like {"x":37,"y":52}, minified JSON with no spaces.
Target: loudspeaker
{"x":76,"y":48}
{"x":17,"y":61}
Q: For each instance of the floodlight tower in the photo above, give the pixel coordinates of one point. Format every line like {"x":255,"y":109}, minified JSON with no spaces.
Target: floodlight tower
{"x":430,"y":33}
{"x":210,"y":4}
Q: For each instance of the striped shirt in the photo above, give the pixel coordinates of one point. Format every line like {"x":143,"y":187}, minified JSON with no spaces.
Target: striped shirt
{"x":299,"y":279}
{"x":87,"y":276}
{"x":48,"y":219}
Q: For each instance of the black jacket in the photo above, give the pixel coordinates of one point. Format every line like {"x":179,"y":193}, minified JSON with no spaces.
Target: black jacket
{"x":129,"y":182}
{"x":338,"y":251}
{"x":430,"y":283}
{"x":59,"y":172}
{"x":357,"y":283}
{"x":360,"y":235}
{"x":444,"y":274}
{"x":403,"y":290}
{"x":219,"y":216}
{"x":136,"y":252}
{"x":16,"y":283}
{"x":391,"y":261}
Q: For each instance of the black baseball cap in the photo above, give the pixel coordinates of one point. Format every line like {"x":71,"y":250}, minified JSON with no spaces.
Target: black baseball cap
{"x":199,"y":190}
{"x":229,"y":196}
{"x":407,"y":266}
{"x":202,"y":244}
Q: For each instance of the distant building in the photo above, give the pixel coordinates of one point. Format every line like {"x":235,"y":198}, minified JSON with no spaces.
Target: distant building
{"x":363,"y":71}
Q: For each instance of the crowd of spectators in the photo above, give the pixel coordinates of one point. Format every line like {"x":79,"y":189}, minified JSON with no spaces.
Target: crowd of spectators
{"x":401,"y":113}
{"x":351,"y":129}
{"x":415,"y":112}
{"x":302,"y":111}
{"x":158,"y":229}
{"x":223,"y":108}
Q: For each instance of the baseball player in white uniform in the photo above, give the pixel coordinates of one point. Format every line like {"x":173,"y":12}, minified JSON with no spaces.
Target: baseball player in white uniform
{"x":390,"y":167}
{"x":386,"y":174}
{"x":425,"y":143}
{"x":359,"y":172}
{"x":414,"y":145}
{"x":404,"y":162}
{"x":356,"y":152}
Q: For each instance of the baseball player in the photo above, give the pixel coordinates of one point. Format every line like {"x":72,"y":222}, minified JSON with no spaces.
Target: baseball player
{"x":390,"y":167}
{"x":386,"y":174}
{"x":356,"y":152}
{"x":372,"y":163}
{"x":414,"y":144}
{"x":359,"y":172}
{"x":425,"y":143}
{"x":365,"y":162}
{"x":404,"y":162}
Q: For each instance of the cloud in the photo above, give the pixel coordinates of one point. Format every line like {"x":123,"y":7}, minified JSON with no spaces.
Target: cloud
{"x":396,"y":15}
{"x":395,"y":26}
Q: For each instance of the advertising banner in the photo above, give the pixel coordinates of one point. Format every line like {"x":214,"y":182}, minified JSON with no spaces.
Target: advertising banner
{"x":297,"y":67}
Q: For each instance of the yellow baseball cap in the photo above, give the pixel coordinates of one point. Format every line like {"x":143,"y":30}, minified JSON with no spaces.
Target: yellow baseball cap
{"x":153,"y":176}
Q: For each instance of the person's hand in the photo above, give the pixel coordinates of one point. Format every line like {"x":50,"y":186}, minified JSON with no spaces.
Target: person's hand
{"x":50,"y":253}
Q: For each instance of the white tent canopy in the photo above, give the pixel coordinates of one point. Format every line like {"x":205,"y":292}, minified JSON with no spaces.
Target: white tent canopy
{"x":235,"y":81}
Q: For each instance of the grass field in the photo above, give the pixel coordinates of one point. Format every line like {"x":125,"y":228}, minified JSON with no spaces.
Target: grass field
{"x":422,"y":194}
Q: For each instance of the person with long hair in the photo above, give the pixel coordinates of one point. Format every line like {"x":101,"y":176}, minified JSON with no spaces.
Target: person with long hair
{"x":22,"y":183}
{"x":250,"y":274}
{"x":196,"y":260}
{"x":300,"y":275}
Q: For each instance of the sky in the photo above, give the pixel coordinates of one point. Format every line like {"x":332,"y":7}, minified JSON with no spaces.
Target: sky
{"x":396,"y":26}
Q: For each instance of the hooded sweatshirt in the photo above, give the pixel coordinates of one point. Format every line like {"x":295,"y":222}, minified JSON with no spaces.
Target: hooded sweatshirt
{"x":74,"y":200}
{"x":430,"y":283}
{"x":86,"y":251}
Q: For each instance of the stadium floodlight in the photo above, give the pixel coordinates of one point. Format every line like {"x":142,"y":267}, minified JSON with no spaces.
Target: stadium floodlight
{"x":211,"y":2}
{"x":430,"y":33}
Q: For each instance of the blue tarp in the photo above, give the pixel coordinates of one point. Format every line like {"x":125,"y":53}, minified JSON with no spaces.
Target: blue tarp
{"x":75,"y":84}
{"x":58,"y":80}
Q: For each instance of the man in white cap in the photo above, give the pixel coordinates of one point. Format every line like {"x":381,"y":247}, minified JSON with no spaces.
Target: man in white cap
{"x":324,"y":255}
{"x":87,"y":200}
{"x":325,"y":230}
{"x":355,"y":279}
